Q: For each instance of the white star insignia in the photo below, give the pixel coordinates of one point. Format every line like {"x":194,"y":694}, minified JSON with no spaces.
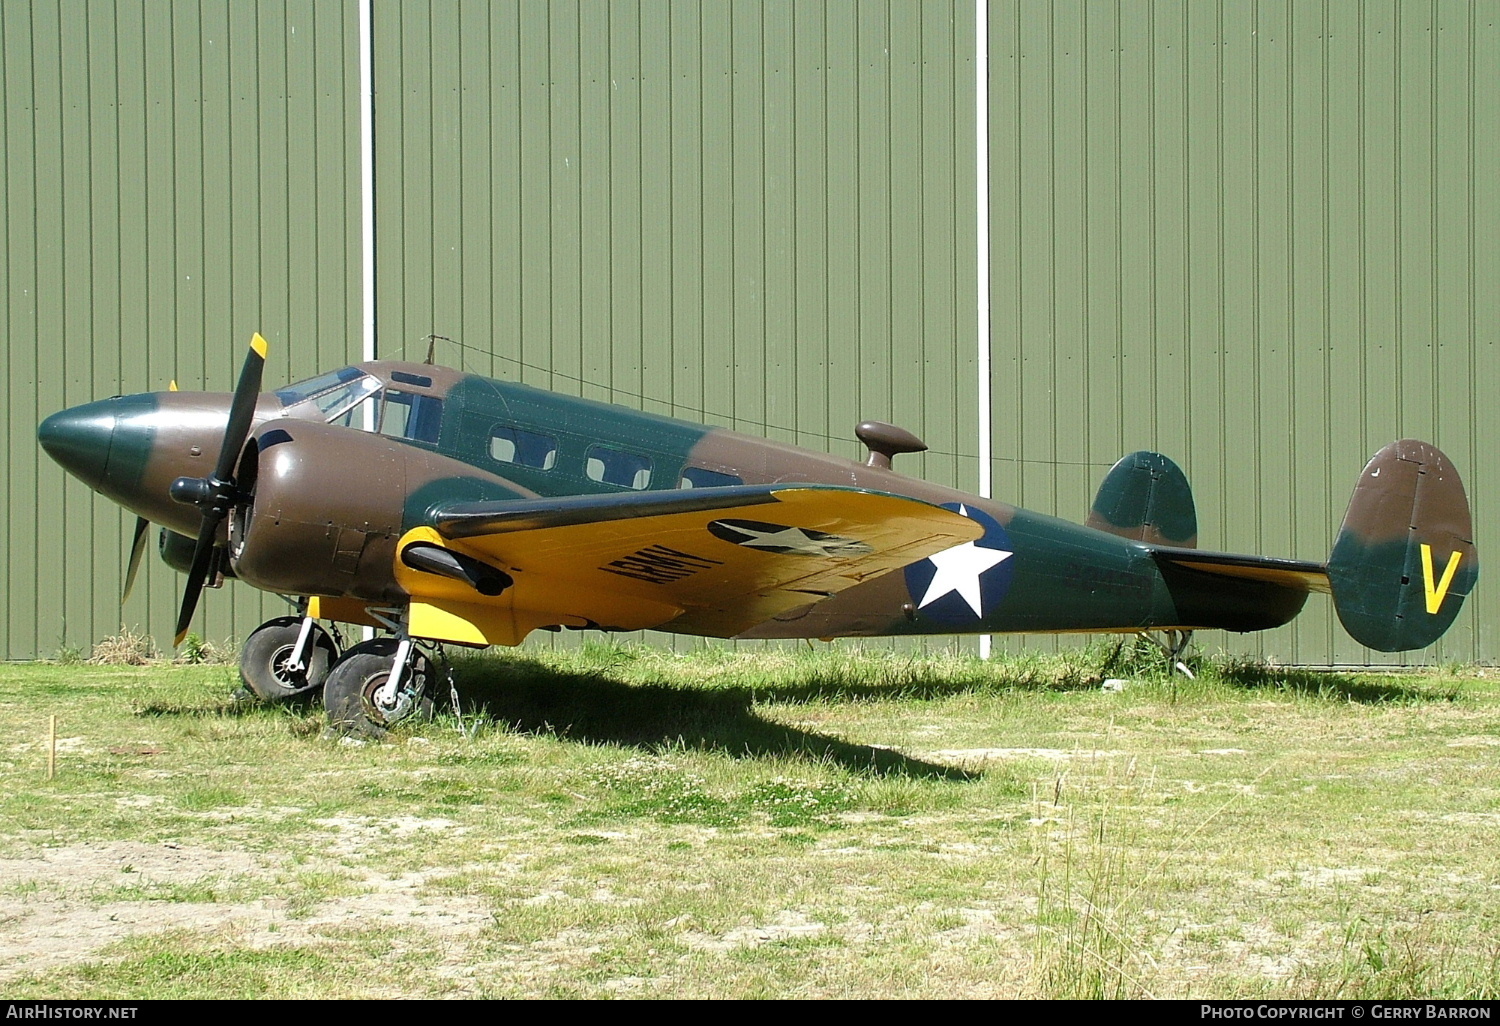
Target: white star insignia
{"x":795,"y":540}
{"x":958,"y":569}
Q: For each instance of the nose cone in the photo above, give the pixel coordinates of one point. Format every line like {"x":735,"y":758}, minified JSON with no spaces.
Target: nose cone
{"x":79,"y":439}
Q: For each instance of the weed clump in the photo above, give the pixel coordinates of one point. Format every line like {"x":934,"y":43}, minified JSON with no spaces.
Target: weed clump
{"x":1398,"y":964}
{"x":127,"y":648}
{"x":196,"y":649}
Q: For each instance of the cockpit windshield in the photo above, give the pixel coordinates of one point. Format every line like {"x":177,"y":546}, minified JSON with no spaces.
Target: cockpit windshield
{"x":335,"y":394}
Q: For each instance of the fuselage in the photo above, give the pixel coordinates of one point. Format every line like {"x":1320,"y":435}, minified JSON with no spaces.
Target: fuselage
{"x":342,"y":465}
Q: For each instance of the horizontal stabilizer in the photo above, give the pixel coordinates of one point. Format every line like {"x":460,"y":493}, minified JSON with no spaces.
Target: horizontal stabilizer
{"x":1234,"y":592}
{"x":1297,"y":574}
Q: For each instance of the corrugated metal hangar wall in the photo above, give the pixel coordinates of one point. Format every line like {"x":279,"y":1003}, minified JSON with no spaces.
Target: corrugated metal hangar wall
{"x":1262,"y":237}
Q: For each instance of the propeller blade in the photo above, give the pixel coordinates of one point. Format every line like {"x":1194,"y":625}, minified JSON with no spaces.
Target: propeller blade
{"x":242,"y":409}
{"x":137,"y":546}
{"x":216,"y":495}
{"x":203,"y":557}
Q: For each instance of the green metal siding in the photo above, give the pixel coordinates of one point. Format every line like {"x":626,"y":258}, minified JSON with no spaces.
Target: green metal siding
{"x":755,"y":213}
{"x":1260,"y":237}
{"x":175,"y":177}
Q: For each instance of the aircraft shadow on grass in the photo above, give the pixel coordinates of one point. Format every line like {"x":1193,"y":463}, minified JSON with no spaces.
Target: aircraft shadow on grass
{"x":594,"y":708}
{"x":1332,"y":684}
{"x":530,"y":697}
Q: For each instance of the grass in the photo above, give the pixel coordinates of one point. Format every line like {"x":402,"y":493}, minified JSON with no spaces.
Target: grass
{"x":617,"y":821}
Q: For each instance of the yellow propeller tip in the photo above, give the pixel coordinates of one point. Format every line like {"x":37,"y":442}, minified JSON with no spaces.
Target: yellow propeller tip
{"x":177,"y":641}
{"x":172,"y":385}
{"x":259,"y":345}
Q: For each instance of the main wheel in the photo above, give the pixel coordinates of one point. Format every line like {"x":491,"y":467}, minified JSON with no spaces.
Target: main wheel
{"x":351,"y":692}
{"x":268,"y":650}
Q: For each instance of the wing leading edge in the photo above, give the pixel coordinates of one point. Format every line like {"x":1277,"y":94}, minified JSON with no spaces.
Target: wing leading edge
{"x":697,"y":561}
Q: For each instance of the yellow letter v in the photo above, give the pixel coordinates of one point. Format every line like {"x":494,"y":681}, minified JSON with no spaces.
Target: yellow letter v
{"x":1436,"y":593}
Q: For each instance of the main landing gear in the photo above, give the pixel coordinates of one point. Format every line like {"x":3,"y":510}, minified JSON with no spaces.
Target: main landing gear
{"x":287,"y":657}
{"x":376,"y":685}
{"x":370,"y":688}
{"x":379,"y":683}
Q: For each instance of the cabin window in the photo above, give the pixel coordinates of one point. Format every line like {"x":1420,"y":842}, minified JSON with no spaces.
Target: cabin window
{"x":617,"y":467}
{"x":701,"y":477}
{"x":406,"y":415}
{"x":521,"y":447}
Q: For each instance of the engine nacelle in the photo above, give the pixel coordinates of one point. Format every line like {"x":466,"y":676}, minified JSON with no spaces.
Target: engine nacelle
{"x":176,"y":550}
{"x":330,"y":503}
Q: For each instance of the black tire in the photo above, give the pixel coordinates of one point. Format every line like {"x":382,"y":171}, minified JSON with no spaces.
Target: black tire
{"x":264,"y":657}
{"x":349,"y":691}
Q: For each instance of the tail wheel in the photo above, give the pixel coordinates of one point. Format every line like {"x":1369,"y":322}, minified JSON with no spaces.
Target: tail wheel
{"x":351,"y":693}
{"x":267,"y":653}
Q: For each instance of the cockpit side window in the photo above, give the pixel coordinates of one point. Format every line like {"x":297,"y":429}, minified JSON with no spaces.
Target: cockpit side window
{"x":335,"y":395}
{"x":407,"y":415}
{"x":354,"y":416}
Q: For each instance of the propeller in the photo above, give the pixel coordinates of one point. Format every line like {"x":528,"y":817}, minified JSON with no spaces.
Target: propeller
{"x":137,"y":546}
{"x":218,"y":493}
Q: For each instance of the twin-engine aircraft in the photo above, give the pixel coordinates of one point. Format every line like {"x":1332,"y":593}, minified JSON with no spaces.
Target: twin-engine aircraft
{"x":439,"y":506}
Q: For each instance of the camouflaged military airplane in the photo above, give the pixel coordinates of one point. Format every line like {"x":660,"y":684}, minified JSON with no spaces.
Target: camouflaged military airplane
{"x":447,"y":507}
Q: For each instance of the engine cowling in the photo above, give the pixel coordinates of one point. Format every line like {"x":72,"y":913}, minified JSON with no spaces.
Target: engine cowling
{"x":328,"y":505}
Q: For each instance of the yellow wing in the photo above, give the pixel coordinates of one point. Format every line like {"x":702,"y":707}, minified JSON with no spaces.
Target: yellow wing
{"x":698,"y":561}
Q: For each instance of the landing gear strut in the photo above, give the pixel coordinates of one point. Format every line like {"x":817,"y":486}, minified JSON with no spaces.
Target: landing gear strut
{"x":376,"y":685}
{"x":286,"y":657}
{"x":1173,"y":644}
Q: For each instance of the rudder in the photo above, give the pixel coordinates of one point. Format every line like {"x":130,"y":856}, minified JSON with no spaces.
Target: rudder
{"x":1404,"y":559}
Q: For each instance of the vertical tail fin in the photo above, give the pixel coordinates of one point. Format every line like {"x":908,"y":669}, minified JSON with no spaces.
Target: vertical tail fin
{"x":1145,"y":497}
{"x":1404,"y":559}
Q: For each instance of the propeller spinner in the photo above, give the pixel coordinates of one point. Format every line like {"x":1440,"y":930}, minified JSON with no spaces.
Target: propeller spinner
{"x":216,"y":495}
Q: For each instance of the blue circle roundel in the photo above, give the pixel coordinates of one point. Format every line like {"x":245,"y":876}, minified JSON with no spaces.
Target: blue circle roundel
{"x":964,"y":584}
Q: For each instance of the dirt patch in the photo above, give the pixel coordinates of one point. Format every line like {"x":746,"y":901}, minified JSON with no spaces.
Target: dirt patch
{"x":55,"y":907}
{"x":975,"y":756}
{"x":784,"y":926}
{"x":82,"y":865}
